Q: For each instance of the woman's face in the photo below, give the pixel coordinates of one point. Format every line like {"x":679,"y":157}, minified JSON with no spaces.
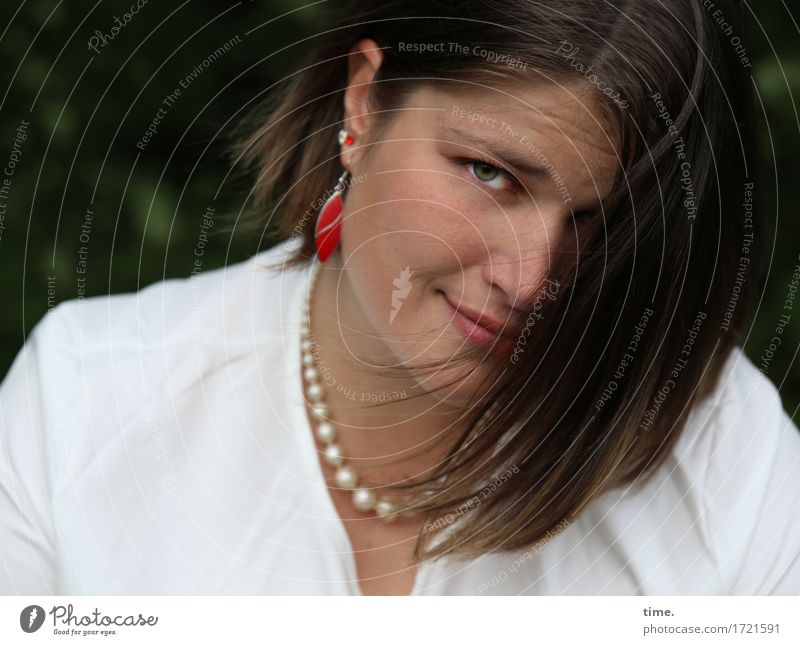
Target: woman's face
{"x":456,"y":214}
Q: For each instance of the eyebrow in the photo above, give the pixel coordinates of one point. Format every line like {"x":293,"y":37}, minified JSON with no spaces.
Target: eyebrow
{"x":507,"y":155}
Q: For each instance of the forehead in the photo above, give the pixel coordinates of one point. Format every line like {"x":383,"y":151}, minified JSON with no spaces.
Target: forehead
{"x":559,"y":127}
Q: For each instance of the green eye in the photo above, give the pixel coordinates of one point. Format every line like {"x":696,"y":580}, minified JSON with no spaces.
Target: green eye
{"x":490,"y":176}
{"x":485,"y":171}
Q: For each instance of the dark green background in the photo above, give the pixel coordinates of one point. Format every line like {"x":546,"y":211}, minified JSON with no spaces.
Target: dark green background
{"x":88,"y":110}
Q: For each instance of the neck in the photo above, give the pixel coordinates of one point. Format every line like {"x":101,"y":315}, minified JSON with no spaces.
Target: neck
{"x":387,"y":428}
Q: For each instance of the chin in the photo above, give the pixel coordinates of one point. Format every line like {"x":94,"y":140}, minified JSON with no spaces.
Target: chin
{"x":455,"y":384}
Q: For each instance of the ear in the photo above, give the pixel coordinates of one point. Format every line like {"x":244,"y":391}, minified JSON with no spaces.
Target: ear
{"x":362,"y":64}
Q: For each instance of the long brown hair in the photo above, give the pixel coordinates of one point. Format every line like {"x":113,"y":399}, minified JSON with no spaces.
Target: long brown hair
{"x":644,"y":321}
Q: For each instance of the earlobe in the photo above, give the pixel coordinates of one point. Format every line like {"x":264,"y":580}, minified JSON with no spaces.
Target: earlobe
{"x":363,"y":63}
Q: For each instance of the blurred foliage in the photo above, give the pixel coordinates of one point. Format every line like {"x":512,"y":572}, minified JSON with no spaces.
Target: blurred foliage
{"x":88,"y":109}
{"x":87,"y":112}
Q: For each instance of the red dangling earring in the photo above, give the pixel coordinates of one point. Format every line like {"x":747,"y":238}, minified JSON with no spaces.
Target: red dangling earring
{"x":329,"y":222}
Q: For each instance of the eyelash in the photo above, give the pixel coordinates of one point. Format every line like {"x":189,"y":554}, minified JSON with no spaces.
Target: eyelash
{"x":580,"y":216}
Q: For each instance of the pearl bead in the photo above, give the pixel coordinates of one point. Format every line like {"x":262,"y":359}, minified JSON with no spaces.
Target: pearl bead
{"x":363,"y":499}
{"x":320,"y":411}
{"x":346,"y":477}
{"x":306,"y":346}
{"x":326,"y":432}
{"x":315,"y":392}
{"x":384,"y":507}
{"x":311,"y":374}
{"x":333,"y":454}
{"x":308,"y":360}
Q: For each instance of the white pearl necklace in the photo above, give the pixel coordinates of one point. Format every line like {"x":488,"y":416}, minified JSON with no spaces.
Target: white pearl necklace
{"x":345,"y":476}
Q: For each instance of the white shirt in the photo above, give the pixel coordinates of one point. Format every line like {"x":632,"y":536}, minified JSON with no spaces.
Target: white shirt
{"x":156,"y":443}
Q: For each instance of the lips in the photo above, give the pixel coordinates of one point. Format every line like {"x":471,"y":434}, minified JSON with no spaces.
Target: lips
{"x":480,"y":329}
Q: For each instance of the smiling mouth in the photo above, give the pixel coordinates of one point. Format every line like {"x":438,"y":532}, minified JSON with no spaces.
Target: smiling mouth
{"x":477,"y":330}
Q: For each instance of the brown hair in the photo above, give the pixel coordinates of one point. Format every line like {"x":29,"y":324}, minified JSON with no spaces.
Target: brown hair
{"x":647,"y":316}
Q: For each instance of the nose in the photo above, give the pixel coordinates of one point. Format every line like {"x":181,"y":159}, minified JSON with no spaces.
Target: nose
{"x":521,"y":258}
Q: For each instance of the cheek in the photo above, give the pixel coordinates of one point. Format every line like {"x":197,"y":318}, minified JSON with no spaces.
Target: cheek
{"x":417,"y":219}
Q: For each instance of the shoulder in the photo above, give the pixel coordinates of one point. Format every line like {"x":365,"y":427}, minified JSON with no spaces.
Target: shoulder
{"x":740,"y":457}
{"x":96,"y":362}
{"x":83,"y":382}
{"x":202,"y":307}
{"x":722,"y":513}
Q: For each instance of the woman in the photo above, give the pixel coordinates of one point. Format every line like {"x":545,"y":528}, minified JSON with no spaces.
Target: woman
{"x":494,"y":351}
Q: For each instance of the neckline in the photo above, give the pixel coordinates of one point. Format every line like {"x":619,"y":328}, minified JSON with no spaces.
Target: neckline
{"x":307,"y":445}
